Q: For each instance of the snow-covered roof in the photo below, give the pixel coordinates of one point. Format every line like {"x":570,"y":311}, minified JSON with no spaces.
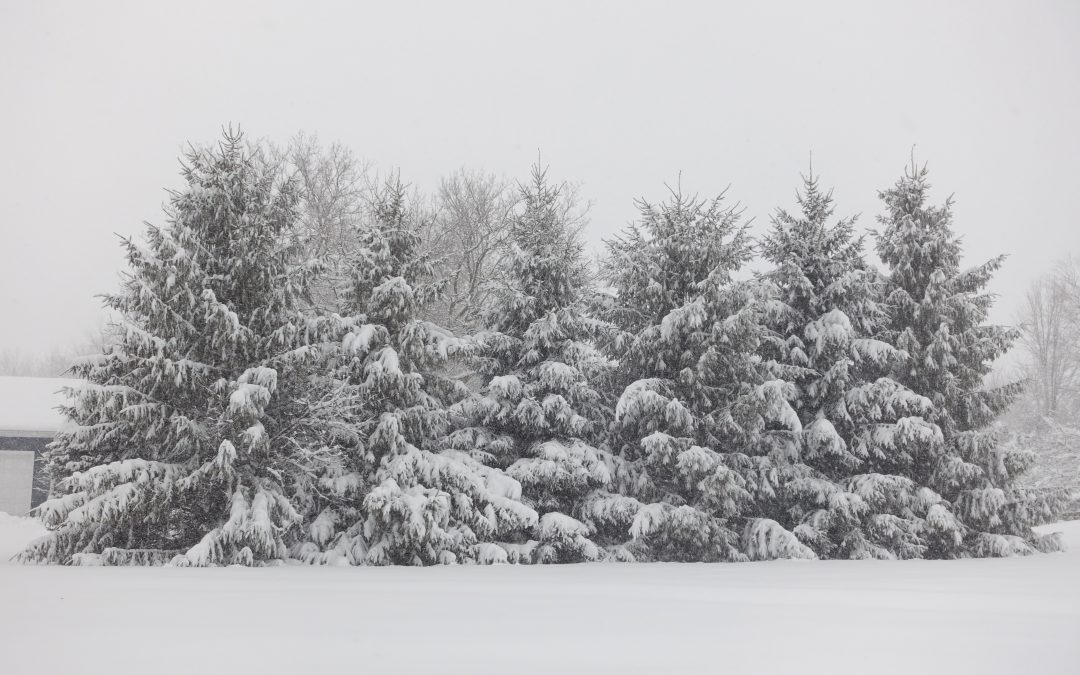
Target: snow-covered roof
{"x":28,"y":405}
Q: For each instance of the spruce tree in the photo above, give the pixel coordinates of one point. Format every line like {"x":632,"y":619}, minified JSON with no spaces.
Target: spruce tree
{"x":704,"y":432}
{"x":938,"y":312}
{"x":393,"y":495}
{"x":852,"y":495}
{"x":538,"y":414}
{"x":189,"y":430}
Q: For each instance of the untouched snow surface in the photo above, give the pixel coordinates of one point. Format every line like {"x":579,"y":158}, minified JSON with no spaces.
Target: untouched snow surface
{"x":1018,"y":615}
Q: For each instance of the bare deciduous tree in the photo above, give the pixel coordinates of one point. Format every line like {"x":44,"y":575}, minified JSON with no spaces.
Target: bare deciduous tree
{"x":336,"y":188}
{"x":1051,"y":324}
{"x":469,"y":235}
{"x":1043,"y":420}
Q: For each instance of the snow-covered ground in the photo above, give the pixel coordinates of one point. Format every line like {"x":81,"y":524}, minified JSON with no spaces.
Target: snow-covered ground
{"x":1019,"y":615}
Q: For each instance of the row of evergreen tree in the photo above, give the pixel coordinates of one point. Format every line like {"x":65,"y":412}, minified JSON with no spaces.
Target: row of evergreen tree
{"x":672,"y":408}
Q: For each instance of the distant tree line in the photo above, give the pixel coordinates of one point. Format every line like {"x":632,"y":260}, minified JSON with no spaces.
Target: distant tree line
{"x":315,"y":364}
{"x":18,"y":362}
{"x":1044,"y":418}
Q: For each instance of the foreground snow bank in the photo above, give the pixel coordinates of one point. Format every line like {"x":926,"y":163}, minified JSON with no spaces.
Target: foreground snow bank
{"x":971,"y":616}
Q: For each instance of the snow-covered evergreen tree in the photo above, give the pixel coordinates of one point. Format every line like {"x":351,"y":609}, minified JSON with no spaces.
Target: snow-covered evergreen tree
{"x":852,"y":495}
{"x":938,"y":314}
{"x":704,"y":431}
{"x":189,"y":431}
{"x":538,"y":414}
{"x":394,"y":496}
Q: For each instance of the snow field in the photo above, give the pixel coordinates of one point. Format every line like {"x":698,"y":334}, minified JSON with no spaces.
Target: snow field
{"x":1015,"y":615}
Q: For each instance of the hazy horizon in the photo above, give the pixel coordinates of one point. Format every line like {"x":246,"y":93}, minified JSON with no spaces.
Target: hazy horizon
{"x":621,"y":97}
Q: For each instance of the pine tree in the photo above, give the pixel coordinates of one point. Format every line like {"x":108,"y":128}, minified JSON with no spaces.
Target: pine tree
{"x":188,"y":431}
{"x":852,"y":495}
{"x":938,"y":312}
{"x":393,"y":496}
{"x":538,"y":414}
{"x":704,"y":429}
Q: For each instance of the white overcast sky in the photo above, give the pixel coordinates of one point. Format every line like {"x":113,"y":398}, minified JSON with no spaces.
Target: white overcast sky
{"x":97,"y":99}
